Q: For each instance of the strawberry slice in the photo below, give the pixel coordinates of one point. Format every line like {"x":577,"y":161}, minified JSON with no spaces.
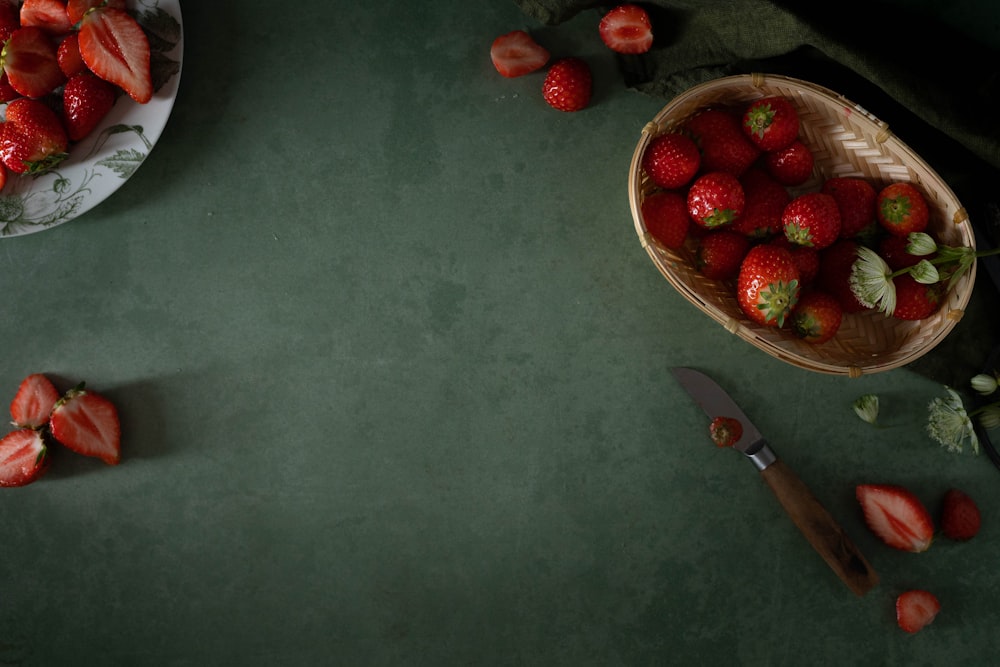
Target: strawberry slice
{"x":115,"y":48}
{"x":29,"y":59}
{"x":916,"y":609}
{"x":627,"y":29}
{"x":87,"y":423}
{"x":516,"y":54}
{"x":896,"y":516}
{"x":23,"y":457}
{"x":75,"y":9}
{"x":49,"y":15}
{"x":33,"y":402}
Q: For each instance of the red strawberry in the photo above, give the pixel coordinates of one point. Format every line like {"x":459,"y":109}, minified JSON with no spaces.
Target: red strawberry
{"x":901,"y":209}
{"x":68,"y":56}
{"x":722,"y":143}
{"x":725,"y":431}
{"x":666,"y":217}
{"x":671,"y":160}
{"x":87,"y":423}
{"x":856,"y":201}
{"x":517,"y":54}
{"x":771,"y":122}
{"x":916,"y":609}
{"x":116,"y":49}
{"x":806,"y":259}
{"x":75,"y":9}
{"x":626,"y":29}
{"x":87,"y":99}
{"x":49,"y":15}
{"x":33,"y":402}
{"x":29,"y":59}
{"x":32,"y":139}
{"x":896,"y":516}
{"x":567,"y":85}
{"x":817,"y":317}
{"x":835,"y":264}
{"x":893,"y":250}
{"x":792,"y":165}
{"x":23,"y":457}
{"x":765,"y":201}
{"x":767,"y":287}
{"x":7,"y":92}
{"x":960,"y":519}
{"x":916,"y":301}
{"x":715,"y":199}
{"x":720,"y":253}
{"x":9,"y":20}
{"x":812,"y":219}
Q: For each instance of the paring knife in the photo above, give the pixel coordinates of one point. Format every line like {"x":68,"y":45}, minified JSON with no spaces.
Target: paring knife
{"x":819,"y":527}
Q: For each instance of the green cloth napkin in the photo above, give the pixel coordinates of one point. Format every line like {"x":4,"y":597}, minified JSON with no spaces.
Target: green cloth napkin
{"x":936,"y":87}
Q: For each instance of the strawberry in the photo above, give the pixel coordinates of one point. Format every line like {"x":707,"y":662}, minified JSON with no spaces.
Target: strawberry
{"x":817,"y":317}
{"x":715,"y":199}
{"x":626,"y":29}
{"x":721,"y":141}
{"x":87,"y":423}
{"x":9,"y":20}
{"x":666,"y":217}
{"x":516,"y":54}
{"x":87,"y":99}
{"x":855,"y":199}
{"x":115,"y":48}
{"x":916,"y":301}
{"x":834,"y":275}
{"x":806,"y":258}
{"x":960,"y":519}
{"x":720,"y":253}
{"x":725,"y":431}
{"x":7,"y":92}
{"x":812,"y":219}
{"x":75,"y":9}
{"x":916,"y":609}
{"x":32,"y":139}
{"x":567,"y":86}
{"x":767,"y":287}
{"x":792,"y":165}
{"x":48,"y":15}
{"x":23,"y":457}
{"x":671,"y":160}
{"x":68,"y":56}
{"x":901,"y":209}
{"x":765,"y":200}
{"x":33,"y":402}
{"x":29,"y":59}
{"x":771,"y":122}
{"x":896,"y":516}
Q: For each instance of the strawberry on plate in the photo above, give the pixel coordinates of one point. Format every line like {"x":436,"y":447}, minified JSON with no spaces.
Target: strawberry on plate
{"x":671,"y":160}
{"x":896,"y":516}
{"x":88,"y":424}
{"x":32,"y":139}
{"x":68,"y":56}
{"x":817,"y":317}
{"x":29,"y":59}
{"x":916,"y":609}
{"x":567,"y":85}
{"x":75,"y":9}
{"x":48,"y":15}
{"x":627,"y":29}
{"x":771,"y":122}
{"x":721,"y":141}
{"x":666,"y":216}
{"x":715,"y":199}
{"x":901,"y":209}
{"x":87,"y":99}
{"x":767,"y":287}
{"x":517,"y":53}
{"x":960,"y":517}
{"x":23,"y":457}
{"x":33,"y":402}
{"x":9,"y":20}
{"x":720,"y":253}
{"x":812,"y":219}
{"x":792,"y":165}
{"x":115,"y":48}
{"x":725,"y":431}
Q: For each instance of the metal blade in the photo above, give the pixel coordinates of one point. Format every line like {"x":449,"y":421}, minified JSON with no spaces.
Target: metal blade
{"x":714,"y":400}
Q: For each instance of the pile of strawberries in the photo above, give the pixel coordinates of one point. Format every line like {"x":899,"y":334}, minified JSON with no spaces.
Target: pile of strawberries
{"x":723,"y":184}
{"x":80,"y":420}
{"x":64,"y":63}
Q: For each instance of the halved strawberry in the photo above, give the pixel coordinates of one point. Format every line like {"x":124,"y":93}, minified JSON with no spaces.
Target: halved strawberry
{"x":916,"y":609}
{"x":75,"y":9}
{"x":517,"y":53}
{"x":29,"y":59}
{"x":23,"y":457}
{"x":87,"y":423}
{"x":896,"y":516}
{"x":115,"y":48}
{"x":49,"y":15}
{"x":627,"y":29}
{"x":33,"y":402}
{"x":32,"y":140}
{"x":87,"y":99}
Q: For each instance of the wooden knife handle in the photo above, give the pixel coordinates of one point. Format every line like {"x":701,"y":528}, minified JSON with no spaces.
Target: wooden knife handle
{"x":823,"y":532}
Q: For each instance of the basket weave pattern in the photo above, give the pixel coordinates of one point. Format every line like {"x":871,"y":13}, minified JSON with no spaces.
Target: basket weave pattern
{"x":845,"y":140}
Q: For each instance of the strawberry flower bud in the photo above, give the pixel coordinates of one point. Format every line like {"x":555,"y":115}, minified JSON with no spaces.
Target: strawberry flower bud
{"x":989,"y":418}
{"x":866,"y":408}
{"x":920,"y":244}
{"x":984,"y":384}
{"x":925,"y":273}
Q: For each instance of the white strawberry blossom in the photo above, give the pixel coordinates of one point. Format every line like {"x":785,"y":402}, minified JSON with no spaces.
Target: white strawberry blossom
{"x":950,"y":424}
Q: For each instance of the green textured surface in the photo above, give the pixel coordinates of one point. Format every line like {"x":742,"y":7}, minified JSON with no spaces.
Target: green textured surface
{"x":393,"y":374}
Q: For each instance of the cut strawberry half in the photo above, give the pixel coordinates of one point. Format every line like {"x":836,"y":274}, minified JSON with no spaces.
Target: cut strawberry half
{"x":896,"y":516}
{"x":627,"y":29}
{"x":115,"y":48}
{"x":23,"y":457}
{"x":29,"y":59}
{"x":916,"y":610}
{"x":516,"y":54}
{"x":87,"y":423}
{"x":49,"y":15}
{"x":33,"y":402}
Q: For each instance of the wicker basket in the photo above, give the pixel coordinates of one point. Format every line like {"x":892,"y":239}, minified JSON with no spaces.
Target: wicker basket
{"x":845,"y":140}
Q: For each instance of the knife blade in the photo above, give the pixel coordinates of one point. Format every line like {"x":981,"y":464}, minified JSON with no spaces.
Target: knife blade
{"x":818,"y":526}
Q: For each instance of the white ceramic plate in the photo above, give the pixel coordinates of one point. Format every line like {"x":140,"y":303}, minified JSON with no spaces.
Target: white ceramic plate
{"x":103,"y":161}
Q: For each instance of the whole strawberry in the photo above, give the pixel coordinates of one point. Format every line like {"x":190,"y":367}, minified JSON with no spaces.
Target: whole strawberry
{"x":720,"y":253}
{"x":901,"y":209}
{"x":772,"y":123}
{"x":817,"y":317}
{"x":812,"y":219}
{"x":916,"y":301}
{"x":855,"y":198}
{"x":567,"y":85}
{"x":767,"y":288}
{"x":893,"y":249}
{"x":806,"y":258}
{"x":671,"y":160}
{"x":765,"y":200}
{"x":666,"y":218}
{"x":960,"y":517}
{"x":715,"y":199}
{"x":835,"y":263}
{"x":87,"y":99}
{"x":792,"y":165}
{"x":721,"y":141}
{"x":32,"y":139}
